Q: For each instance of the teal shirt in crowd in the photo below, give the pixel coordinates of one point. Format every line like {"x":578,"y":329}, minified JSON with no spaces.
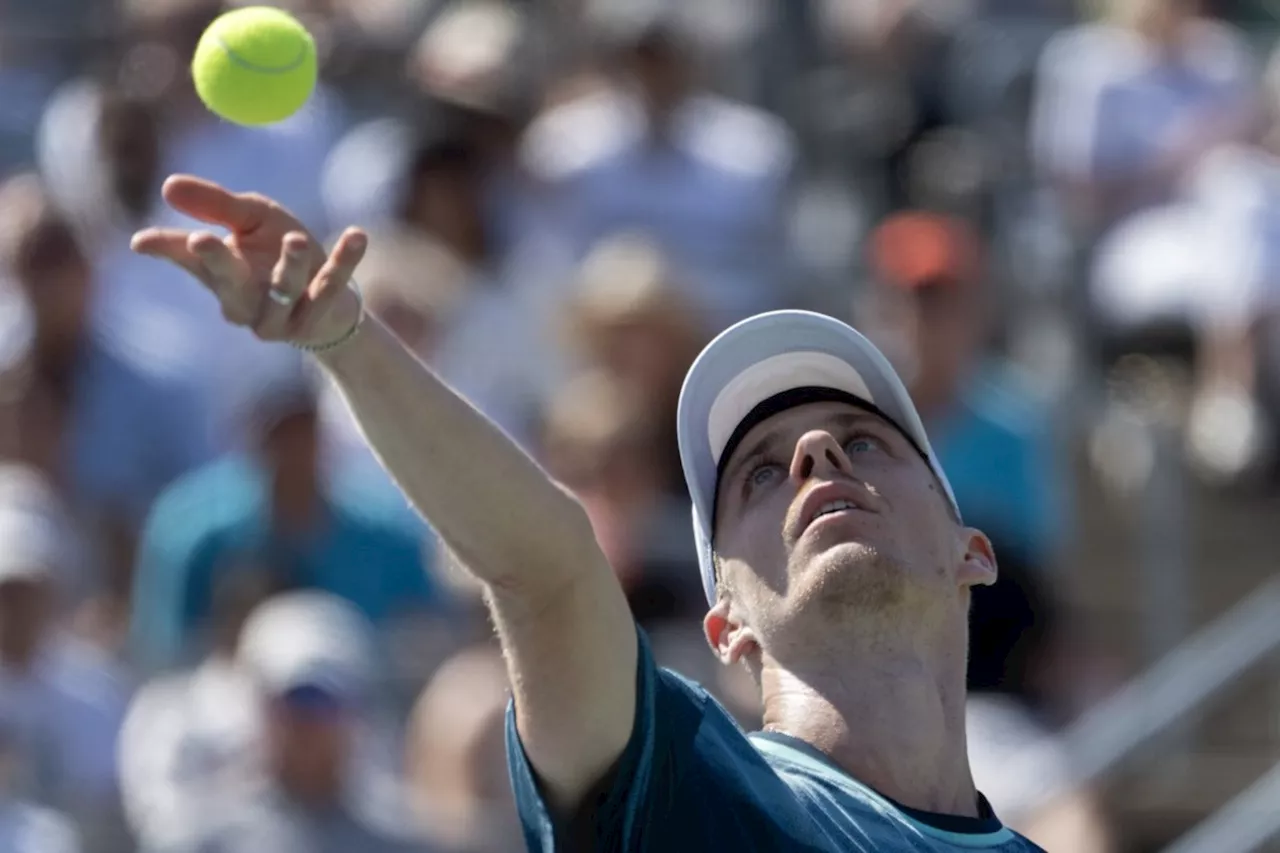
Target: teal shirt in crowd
{"x":371,"y":549}
{"x":691,"y":780}
{"x":1005,"y":461}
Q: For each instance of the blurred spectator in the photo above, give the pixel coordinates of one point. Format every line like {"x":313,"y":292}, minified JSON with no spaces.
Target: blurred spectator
{"x":109,"y":432}
{"x":627,"y":316}
{"x":456,"y":758}
{"x":272,"y":505}
{"x":499,"y":350}
{"x":1127,"y":105}
{"x":1231,"y":225}
{"x":889,"y":97}
{"x":310,"y":657}
{"x":654,"y":151}
{"x":601,"y":442}
{"x":192,"y":737}
{"x":928,"y":308}
{"x":1183,"y":280}
{"x":61,"y":702}
{"x":480,"y":61}
{"x":40,"y":42}
{"x":452,"y":177}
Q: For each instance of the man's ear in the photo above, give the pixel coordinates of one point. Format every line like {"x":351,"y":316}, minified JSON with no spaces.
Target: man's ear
{"x":729,"y":637}
{"x":979,"y":565}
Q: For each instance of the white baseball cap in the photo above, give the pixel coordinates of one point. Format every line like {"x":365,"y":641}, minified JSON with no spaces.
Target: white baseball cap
{"x":309,"y":639}
{"x":768,"y":363}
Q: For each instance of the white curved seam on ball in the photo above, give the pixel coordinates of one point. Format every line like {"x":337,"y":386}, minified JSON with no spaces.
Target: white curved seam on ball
{"x":264,"y":69}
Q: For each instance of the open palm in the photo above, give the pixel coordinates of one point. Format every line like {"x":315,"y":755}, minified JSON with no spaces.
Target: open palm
{"x":268,"y":273}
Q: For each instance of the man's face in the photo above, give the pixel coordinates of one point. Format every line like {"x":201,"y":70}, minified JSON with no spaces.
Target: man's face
{"x":58,"y":292}
{"x":1161,"y":20}
{"x":310,"y":741}
{"x":661,"y":70}
{"x":827,"y":511}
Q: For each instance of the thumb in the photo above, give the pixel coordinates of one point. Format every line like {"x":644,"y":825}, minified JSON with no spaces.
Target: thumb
{"x":209,"y":202}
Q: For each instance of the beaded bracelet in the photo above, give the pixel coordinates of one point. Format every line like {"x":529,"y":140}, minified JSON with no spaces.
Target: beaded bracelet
{"x":345,"y":336}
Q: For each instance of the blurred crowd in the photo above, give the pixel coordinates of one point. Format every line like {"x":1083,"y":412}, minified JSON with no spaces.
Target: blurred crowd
{"x":221,"y":627}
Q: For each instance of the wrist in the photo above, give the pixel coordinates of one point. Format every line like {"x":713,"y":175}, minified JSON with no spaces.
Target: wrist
{"x":355,"y":357}
{"x":342,"y":339}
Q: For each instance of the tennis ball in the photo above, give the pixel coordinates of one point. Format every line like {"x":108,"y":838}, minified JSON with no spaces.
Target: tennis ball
{"x":255,"y":66}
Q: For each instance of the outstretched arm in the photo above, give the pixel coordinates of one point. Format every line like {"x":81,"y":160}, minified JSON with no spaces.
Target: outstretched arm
{"x":564,"y":622}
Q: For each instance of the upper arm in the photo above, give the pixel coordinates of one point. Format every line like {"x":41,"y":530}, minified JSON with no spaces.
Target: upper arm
{"x":571,"y":656}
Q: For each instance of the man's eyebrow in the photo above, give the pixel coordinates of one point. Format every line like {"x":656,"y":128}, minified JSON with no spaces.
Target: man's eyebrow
{"x":845,"y":420}
{"x":751,"y":451}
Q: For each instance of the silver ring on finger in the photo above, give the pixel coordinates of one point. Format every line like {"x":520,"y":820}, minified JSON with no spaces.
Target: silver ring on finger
{"x":281,"y":297}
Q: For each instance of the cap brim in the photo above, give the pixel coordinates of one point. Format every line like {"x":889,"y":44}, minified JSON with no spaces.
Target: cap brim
{"x":323,"y":696}
{"x":754,"y":361}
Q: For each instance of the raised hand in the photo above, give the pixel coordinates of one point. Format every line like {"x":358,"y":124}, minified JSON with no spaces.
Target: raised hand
{"x":268,"y":274}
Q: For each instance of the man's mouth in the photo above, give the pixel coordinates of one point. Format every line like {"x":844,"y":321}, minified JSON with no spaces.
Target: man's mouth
{"x":829,"y":499}
{"x":832,"y":507}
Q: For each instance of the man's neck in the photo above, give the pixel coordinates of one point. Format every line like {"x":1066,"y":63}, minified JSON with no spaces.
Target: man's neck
{"x":895,"y":722}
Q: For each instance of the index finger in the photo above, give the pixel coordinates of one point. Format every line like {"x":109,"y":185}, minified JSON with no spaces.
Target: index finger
{"x":171,"y":245}
{"x":209,"y":202}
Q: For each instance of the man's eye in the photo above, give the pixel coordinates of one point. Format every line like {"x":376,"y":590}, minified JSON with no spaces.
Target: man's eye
{"x":763,"y":475}
{"x":861,"y":444}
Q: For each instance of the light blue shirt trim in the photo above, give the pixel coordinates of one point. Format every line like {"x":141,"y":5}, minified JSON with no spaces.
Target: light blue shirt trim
{"x":858,"y":791}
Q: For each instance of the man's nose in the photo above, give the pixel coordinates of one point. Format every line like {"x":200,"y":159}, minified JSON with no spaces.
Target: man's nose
{"x":818,"y":454}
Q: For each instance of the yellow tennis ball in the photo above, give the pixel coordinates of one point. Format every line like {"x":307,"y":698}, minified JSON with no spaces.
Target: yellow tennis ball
{"x":255,"y":66}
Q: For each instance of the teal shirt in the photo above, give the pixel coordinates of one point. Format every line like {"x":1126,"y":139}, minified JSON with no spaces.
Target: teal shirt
{"x":691,"y":780}
{"x":371,"y":550}
{"x":1005,"y":462}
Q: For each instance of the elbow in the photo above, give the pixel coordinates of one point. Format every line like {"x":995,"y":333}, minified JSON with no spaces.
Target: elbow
{"x":546,"y":548}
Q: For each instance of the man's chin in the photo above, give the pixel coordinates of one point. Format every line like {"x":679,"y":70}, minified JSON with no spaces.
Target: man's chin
{"x":832,"y":550}
{"x":851,"y":575}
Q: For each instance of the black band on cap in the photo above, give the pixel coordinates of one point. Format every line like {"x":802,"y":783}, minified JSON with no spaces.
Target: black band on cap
{"x":789,"y":400}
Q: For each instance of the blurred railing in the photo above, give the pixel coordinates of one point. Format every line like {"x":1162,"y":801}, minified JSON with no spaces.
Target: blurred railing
{"x":1242,"y":825}
{"x":1167,"y":694}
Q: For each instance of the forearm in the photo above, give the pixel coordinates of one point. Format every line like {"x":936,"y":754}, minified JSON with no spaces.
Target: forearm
{"x":497,"y":511}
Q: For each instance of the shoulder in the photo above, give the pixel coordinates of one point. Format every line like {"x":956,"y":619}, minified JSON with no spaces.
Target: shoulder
{"x":580,"y":134}
{"x":1220,"y":49}
{"x":203,"y":502}
{"x":1091,"y":52}
{"x":688,"y":777}
{"x":736,"y":138}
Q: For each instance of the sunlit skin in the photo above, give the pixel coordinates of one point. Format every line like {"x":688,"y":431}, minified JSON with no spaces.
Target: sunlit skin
{"x":854,"y":624}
